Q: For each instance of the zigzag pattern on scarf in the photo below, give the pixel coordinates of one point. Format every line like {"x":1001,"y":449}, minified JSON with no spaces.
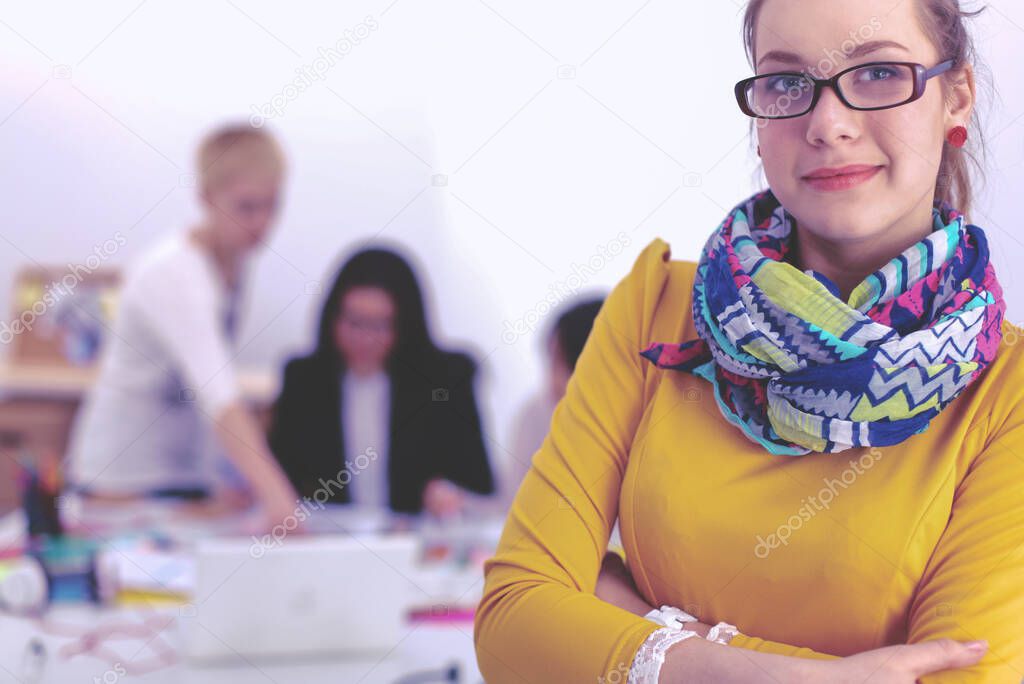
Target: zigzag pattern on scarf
{"x":798,"y":370}
{"x":944,"y":343}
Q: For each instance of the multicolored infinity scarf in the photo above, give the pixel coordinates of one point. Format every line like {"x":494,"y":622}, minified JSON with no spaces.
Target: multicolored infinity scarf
{"x":800,"y":370}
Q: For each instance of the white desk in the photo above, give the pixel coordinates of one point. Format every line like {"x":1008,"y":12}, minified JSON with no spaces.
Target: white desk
{"x":425,"y":647}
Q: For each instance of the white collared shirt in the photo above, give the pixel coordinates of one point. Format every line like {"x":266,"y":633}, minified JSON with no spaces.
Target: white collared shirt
{"x":365,"y":416}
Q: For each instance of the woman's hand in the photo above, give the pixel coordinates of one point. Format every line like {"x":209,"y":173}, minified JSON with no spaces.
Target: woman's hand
{"x":223,"y":502}
{"x":901,"y":664}
{"x":441,"y":498}
{"x":246,"y":446}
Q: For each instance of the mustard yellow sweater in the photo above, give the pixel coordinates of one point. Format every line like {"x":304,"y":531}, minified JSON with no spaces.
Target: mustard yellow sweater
{"x":815,"y":556}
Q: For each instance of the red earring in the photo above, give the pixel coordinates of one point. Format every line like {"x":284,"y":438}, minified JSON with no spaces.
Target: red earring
{"x":957,"y":136}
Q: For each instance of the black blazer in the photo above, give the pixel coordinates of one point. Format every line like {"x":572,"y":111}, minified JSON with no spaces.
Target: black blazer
{"x":434,"y":430}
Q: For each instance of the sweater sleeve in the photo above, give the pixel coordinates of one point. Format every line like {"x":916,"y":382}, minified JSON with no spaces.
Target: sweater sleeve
{"x":973,"y":585}
{"x":538,"y":619}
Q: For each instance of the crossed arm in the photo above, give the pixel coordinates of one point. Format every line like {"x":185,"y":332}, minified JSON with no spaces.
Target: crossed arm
{"x":539,"y":599}
{"x":695,"y":660}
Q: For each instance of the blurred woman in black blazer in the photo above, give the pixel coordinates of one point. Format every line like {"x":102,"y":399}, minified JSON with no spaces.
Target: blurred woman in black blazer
{"x":378,"y":415}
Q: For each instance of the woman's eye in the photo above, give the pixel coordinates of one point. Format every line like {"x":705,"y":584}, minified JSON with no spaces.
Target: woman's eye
{"x":784,"y":84}
{"x":878,"y":74}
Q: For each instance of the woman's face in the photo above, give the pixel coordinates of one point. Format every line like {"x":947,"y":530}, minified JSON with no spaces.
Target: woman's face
{"x":899,"y":150}
{"x":242,"y":211}
{"x":364,"y":331}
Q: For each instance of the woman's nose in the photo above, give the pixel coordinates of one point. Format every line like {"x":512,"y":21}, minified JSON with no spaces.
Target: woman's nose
{"x":831,"y":121}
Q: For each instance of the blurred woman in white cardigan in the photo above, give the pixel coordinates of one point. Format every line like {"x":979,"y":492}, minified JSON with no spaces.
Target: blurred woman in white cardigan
{"x":167,"y":389}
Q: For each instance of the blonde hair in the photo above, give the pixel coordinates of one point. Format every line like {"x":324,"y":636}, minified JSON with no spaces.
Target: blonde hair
{"x":945,"y":24}
{"x":236,"y":150}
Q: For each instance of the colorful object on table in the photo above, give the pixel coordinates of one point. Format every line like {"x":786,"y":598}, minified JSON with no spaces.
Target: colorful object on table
{"x":69,"y":563}
{"x":66,"y":562}
{"x":23,"y":586}
{"x":798,"y":370}
{"x":40,"y":491}
{"x":148,"y":599}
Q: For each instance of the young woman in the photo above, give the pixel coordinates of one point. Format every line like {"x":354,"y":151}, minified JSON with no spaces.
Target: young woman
{"x":167,"y":380}
{"x":378,"y":415}
{"x":814,"y":461}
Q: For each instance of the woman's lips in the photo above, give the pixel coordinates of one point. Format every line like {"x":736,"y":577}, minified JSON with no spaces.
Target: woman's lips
{"x":831,"y":180}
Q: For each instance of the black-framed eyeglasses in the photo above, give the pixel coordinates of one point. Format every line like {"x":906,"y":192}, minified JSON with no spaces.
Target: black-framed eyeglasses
{"x":865,"y":87}
{"x":376,"y":326}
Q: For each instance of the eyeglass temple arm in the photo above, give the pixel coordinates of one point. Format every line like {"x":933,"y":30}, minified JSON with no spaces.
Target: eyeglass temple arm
{"x":940,"y":68}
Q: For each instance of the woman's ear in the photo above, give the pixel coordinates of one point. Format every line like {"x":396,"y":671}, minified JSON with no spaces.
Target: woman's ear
{"x":960,"y":97}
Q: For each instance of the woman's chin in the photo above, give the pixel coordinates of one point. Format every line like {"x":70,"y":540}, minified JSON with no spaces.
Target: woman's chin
{"x":838,"y":226}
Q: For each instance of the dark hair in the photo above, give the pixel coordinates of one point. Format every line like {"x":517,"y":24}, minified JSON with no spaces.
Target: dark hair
{"x":385,"y":269}
{"x":945,"y":24}
{"x":573,"y":328}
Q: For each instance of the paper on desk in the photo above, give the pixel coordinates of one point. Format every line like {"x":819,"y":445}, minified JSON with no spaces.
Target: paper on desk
{"x":149,"y":571}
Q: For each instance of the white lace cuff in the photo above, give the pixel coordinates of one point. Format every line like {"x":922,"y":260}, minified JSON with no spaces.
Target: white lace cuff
{"x":722,"y":633}
{"x":646,"y":668}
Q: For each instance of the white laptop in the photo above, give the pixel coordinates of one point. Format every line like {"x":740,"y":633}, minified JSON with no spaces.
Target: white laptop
{"x":336,"y":595}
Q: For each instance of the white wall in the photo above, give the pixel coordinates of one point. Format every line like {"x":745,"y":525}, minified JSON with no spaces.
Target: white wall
{"x":557,"y":125}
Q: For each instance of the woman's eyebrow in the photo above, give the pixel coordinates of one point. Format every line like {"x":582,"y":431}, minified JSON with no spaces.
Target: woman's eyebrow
{"x":863,"y":49}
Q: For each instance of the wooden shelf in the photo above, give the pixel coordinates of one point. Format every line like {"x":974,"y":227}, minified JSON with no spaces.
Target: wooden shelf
{"x":68,"y":383}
